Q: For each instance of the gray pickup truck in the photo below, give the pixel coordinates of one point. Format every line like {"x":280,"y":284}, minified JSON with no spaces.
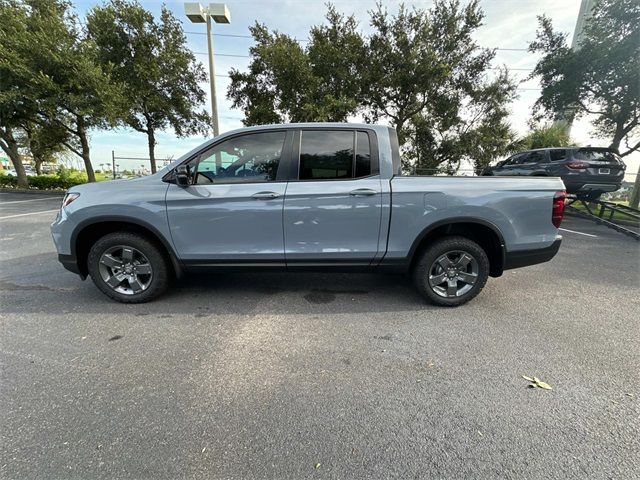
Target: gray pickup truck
{"x":327,"y":196}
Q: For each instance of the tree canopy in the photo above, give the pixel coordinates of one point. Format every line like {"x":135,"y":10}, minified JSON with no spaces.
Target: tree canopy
{"x":600,"y":78}
{"x":420,"y":70}
{"x":544,"y":136}
{"x":53,"y":76}
{"x":159,"y":75}
{"x":60,"y":79}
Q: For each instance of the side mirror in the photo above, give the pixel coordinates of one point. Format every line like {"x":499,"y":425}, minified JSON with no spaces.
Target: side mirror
{"x":183,"y":178}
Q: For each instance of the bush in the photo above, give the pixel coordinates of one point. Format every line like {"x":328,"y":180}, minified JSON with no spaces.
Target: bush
{"x":7,"y":181}
{"x":53,"y":182}
{"x":46,"y":182}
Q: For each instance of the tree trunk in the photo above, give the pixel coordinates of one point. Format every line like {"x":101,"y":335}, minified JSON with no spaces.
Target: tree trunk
{"x":617,"y":138}
{"x":37,"y":161}
{"x":84,"y":141}
{"x":38,"y":164}
{"x":152,"y":144}
{"x":10,"y":146}
{"x":635,"y":194}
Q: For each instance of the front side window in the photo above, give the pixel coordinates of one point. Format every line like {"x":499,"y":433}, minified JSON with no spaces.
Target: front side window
{"x":515,"y":160}
{"x":249,"y":158}
{"x":337,"y":154}
{"x":533,"y":157}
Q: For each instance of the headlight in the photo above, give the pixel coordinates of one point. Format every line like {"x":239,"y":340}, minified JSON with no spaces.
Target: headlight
{"x":68,"y":198}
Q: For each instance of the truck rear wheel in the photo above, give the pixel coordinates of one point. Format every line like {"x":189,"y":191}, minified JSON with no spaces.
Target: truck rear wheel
{"x":128,"y":268}
{"x":451,"y":271}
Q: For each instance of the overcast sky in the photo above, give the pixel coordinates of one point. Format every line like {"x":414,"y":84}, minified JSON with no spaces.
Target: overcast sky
{"x":508,"y":24}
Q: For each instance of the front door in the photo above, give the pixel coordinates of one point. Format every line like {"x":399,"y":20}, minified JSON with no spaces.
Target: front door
{"x":232,"y":211}
{"x":333,"y":206}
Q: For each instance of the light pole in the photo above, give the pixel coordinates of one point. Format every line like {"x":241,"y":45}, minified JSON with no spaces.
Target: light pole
{"x":219,"y":12}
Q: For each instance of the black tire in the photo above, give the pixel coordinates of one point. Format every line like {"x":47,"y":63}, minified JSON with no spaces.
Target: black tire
{"x":451,"y":247}
{"x":156,"y":281}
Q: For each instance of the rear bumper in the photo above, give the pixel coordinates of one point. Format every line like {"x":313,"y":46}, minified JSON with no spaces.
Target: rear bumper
{"x":524,"y":258}
{"x":71,"y":263}
{"x":591,"y":187}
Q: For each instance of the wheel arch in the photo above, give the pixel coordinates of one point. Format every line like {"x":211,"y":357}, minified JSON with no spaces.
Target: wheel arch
{"x":484,"y":233}
{"x":89,"y":231}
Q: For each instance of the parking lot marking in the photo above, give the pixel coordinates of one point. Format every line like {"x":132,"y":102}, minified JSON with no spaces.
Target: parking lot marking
{"x":579,"y":233}
{"x":32,"y":200}
{"x":27,"y":214}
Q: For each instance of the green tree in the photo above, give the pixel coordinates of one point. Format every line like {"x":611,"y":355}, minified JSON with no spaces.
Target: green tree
{"x":600,"y":78}
{"x":45,"y":142}
{"x":420,"y":70}
{"x":17,"y":105}
{"x":430,"y":78}
{"x":53,"y":66}
{"x":151,"y":61}
{"x":289,"y":83}
{"x":544,"y":136}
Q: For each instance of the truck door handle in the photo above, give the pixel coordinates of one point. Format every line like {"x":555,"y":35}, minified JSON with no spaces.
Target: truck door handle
{"x":362,"y":192}
{"x":265,"y":195}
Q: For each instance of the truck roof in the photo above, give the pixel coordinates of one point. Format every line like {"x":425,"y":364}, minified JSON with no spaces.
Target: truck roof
{"x":256,"y":128}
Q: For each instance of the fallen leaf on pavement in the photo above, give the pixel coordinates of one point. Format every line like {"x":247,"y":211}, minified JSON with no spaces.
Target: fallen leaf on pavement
{"x":537,"y":383}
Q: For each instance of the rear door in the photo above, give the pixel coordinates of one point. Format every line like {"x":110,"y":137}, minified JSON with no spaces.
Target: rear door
{"x":232,"y":211}
{"x":333,"y":204}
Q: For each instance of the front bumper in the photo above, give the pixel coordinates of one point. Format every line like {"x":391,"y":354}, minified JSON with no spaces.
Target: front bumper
{"x":70,"y":262}
{"x":524,"y":258}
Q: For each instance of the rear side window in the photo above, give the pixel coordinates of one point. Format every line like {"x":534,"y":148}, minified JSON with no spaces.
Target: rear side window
{"x":363,"y":155}
{"x":557,"y":155}
{"x":334,"y":154}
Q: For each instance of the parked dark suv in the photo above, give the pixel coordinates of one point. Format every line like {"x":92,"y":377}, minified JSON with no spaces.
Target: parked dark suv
{"x":587,"y":172}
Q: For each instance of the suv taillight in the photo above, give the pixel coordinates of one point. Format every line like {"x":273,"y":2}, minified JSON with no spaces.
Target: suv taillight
{"x":558,"y":208}
{"x":576,"y":165}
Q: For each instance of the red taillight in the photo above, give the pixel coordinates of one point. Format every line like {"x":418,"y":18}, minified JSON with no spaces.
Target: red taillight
{"x":558,"y":208}
{"x":576,"y":165}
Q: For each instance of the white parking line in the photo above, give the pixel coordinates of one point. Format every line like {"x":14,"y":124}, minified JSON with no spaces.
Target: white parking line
{"x":579,"y":233}
{"x":32,"y":200}
{"x":27,"y":214}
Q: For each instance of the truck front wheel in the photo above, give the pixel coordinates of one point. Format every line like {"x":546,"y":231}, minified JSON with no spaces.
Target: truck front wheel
{"x":128,"y":268}
{"x":451,"y":271}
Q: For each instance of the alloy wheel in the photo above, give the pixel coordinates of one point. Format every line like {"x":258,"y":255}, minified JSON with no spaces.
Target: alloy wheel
{"x":453,"y":274}
{"x":125,"y":269}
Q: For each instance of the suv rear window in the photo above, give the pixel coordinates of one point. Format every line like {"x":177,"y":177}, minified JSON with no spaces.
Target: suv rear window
{"x":557,"y":155}
{"x":334,"y":154}
{"x":596,"y":154}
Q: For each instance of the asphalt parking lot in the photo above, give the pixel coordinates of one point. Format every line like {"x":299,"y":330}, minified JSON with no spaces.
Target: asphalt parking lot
{"x":319,"y":376}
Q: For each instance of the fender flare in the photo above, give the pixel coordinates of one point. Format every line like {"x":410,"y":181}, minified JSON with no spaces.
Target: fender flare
{"x":175,"y":261}
{"x":458,"y":220}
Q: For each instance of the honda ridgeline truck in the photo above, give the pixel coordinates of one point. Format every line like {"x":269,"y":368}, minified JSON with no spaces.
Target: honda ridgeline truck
{"x":328,"y":196}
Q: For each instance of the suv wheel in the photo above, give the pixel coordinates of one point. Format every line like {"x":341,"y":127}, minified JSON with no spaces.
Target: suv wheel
{"x":128,"y":268}
{"x":451,"y":271}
